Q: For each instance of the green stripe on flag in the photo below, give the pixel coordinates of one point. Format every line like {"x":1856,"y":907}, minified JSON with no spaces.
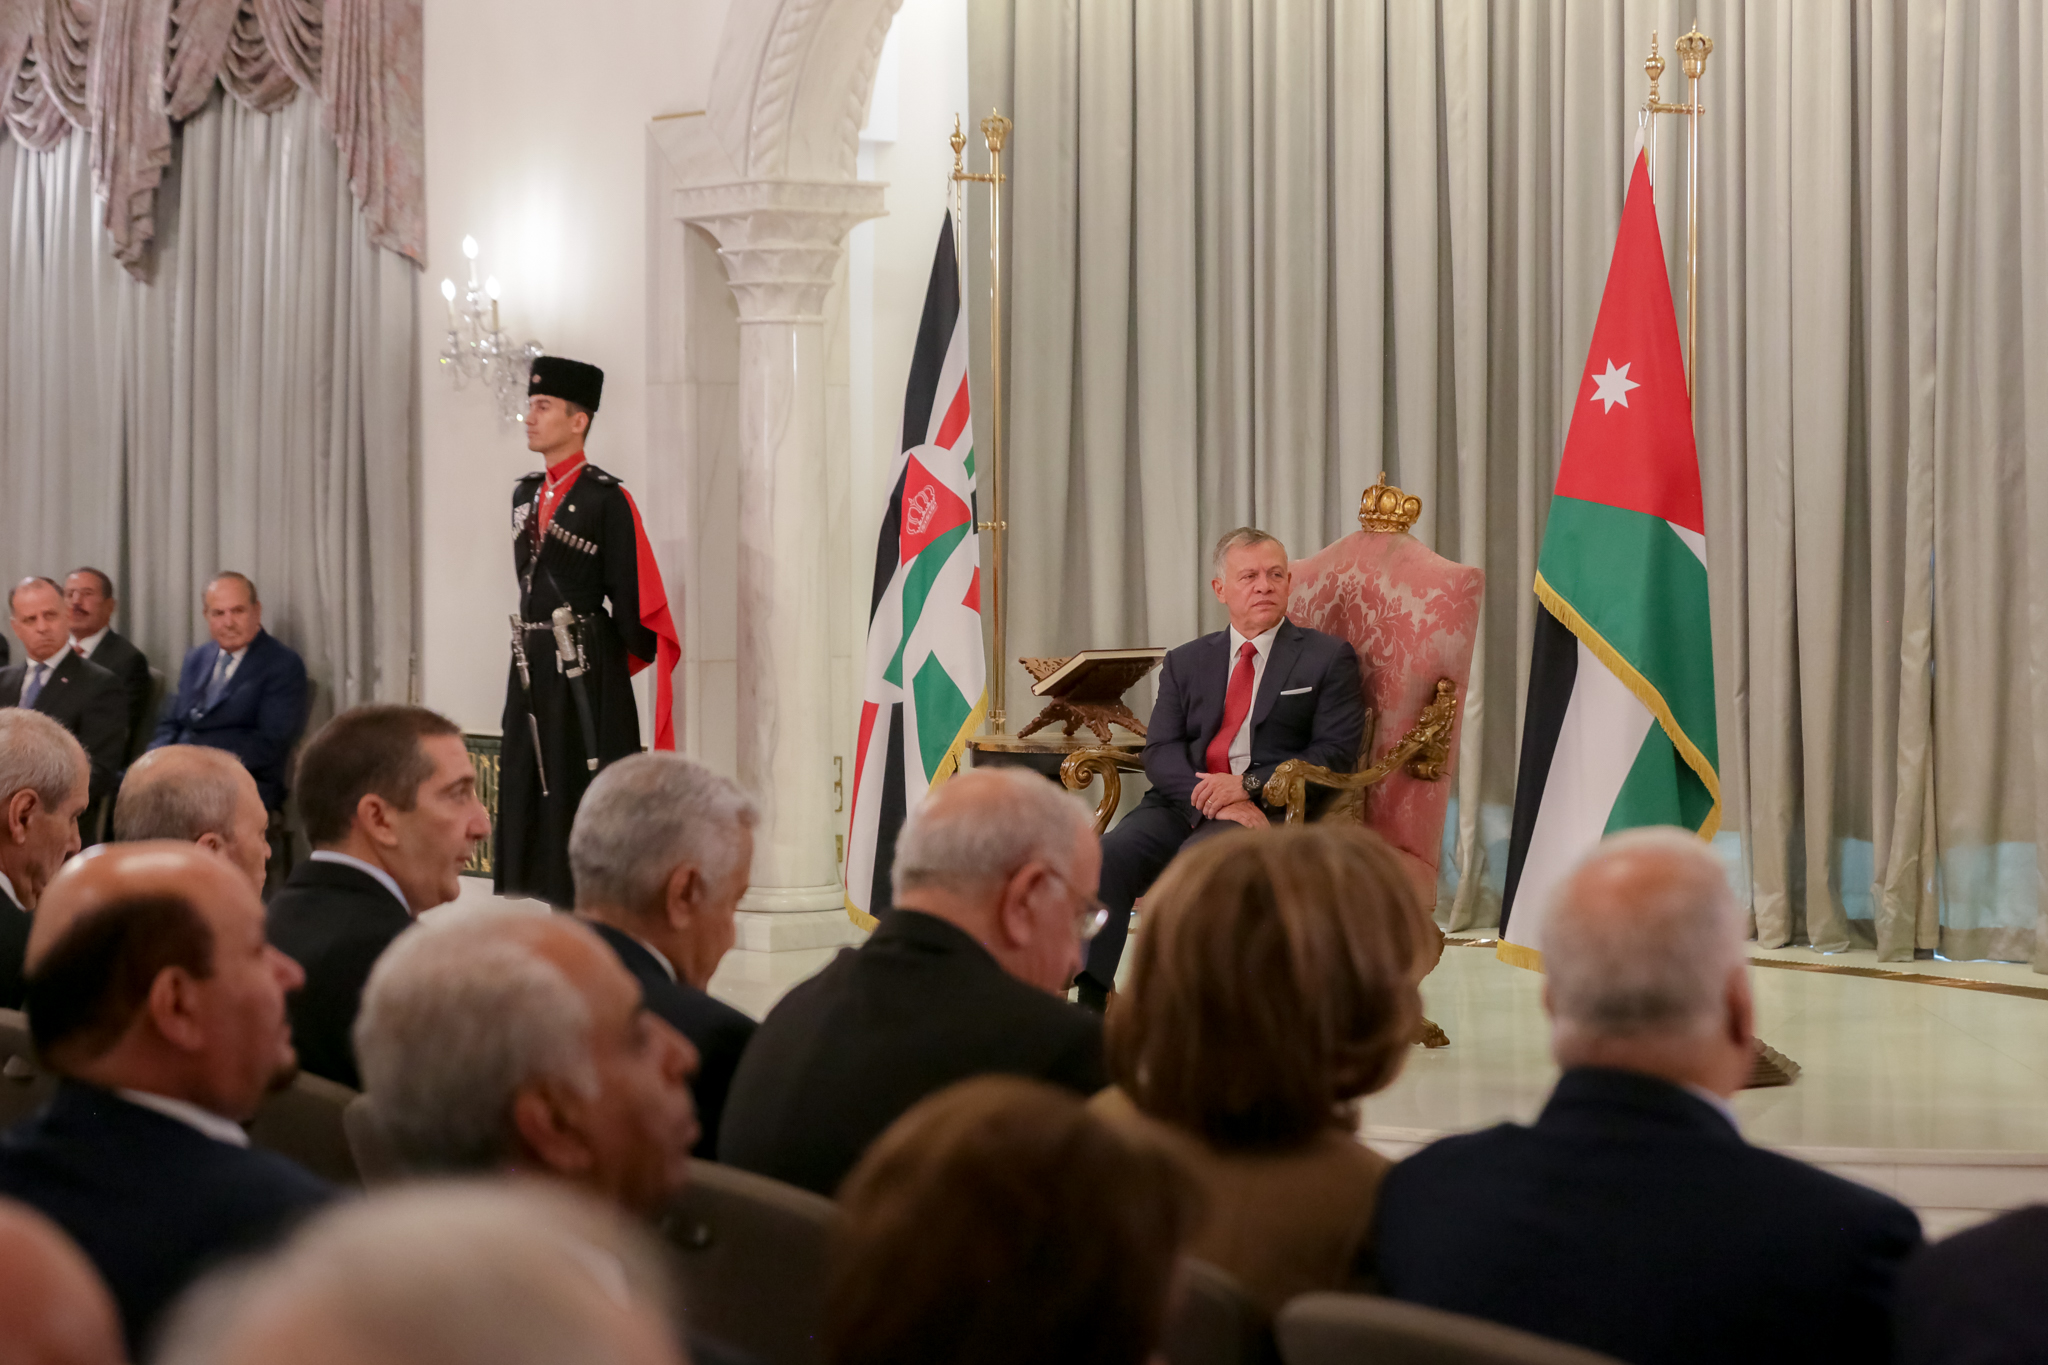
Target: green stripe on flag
{"x":1630,"y":578}
{"x":917,"y":585}
{"x":941,"y":710}
{"x":1659,"y":790}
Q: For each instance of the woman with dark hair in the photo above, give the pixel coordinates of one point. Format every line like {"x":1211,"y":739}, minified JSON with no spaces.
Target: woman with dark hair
{"x":1000,"y":1222}
{"x":1275,"y":984}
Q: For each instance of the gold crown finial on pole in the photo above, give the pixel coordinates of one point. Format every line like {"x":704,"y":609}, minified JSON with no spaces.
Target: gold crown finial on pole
{"x":1693,"y":50}
{"x":995,"y":129}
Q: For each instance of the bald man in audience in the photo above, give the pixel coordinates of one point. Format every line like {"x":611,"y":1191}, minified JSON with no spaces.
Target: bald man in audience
{"x":53,"y":1308}
{"x":196,"y":795}
{"x":65,"y":685}
{"x":45,"y":785}
{"x":995,"y":879}
{"x":244,"y":690}
{"x":661,"y":849}
{"x":154,"y":997}
{"x":1632,"y":1218}
{"x":442,"y":1273}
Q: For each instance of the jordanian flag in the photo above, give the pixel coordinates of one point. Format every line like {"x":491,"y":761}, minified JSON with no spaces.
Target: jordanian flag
{"x":1619,"y":730}
{"x":925,"y":690}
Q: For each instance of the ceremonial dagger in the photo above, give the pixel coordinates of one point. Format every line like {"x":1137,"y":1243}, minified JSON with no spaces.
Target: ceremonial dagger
{"x":526,"y":686}
{"x":571,"y":653}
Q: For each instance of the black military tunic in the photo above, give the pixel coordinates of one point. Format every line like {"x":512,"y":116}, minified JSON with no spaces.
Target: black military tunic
{"x":589,"y":559}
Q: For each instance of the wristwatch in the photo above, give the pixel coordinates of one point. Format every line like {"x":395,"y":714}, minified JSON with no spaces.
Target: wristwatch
{"x":1253,"y":786}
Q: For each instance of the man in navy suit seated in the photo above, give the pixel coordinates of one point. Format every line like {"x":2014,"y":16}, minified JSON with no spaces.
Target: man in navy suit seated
{"x":1632,"y":1218}
{"x":154,"y":997}
{"x":243,"y":691}
{"x":1232,"y":707}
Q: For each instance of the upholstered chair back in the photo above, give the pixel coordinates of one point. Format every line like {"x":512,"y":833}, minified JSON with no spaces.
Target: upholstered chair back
{"x":1413,"y":617}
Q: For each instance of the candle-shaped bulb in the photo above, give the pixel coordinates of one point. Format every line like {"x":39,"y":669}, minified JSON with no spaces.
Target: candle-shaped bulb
{"x":448,"y":290}
{"x":491,"y":286}
{"x":469,"y":247}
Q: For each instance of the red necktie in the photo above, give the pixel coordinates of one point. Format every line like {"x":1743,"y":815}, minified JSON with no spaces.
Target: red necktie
{"x":1237,"y":704}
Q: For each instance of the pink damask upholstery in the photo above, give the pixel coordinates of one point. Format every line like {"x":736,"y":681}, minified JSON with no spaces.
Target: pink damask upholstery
{"x":1413,"y":617}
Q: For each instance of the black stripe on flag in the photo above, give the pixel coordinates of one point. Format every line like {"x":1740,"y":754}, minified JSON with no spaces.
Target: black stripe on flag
{"x":1553,"y":672}
{"x":927,"y":360}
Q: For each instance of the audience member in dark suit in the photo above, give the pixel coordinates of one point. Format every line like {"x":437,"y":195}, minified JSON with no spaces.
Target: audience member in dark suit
{"x":196,"y":795}
{"x":995,"y":893}
{"x":1632,"y":1218}
{"x":1000,"y":1221}
{"x":65,"y":686}
{"x":661,"y":851}
{"x":1232,"y":707}
{"x":89,"y":603}
{"x":509,"y":1272}
{"x":244,"y":690}
{"x":54,"y":1309}
{"x":1975,"y":1298}
{"x":497,"y":1039}
{"x":389,"y":798}
{"x":153,"y":996}
{"x":44,"y":778}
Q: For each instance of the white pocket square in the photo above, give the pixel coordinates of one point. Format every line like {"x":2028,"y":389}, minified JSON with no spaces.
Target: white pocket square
{"x":1295,"y":691}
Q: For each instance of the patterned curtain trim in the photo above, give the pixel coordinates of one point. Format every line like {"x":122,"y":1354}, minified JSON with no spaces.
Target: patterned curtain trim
{"x":126,"y":70}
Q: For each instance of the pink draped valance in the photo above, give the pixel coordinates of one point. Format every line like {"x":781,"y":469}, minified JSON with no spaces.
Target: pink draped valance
{"x":126,"y":70}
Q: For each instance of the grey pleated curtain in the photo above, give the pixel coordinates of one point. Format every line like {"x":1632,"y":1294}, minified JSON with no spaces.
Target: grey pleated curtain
{"x":1262,"y":249}
{"x":250,"y":409}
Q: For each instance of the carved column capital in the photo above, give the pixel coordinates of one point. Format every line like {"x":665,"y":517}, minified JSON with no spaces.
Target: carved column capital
{"x":780,"y":239}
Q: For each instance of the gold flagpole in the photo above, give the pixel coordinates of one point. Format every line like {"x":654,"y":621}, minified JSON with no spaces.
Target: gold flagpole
{"x":995,"y":131}
{"x":1693,"y":49}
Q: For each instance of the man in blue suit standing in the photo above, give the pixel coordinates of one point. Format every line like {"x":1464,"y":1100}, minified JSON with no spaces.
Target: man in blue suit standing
{"x":1232,"y":707}
{"x":243,"y":691}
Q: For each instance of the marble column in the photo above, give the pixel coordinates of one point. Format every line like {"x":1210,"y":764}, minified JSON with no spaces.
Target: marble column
{"x":781,"y":241}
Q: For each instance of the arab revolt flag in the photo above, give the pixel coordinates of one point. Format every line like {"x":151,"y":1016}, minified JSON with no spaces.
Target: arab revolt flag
{"x":1619,"y":730}
{"x":925,"y":688}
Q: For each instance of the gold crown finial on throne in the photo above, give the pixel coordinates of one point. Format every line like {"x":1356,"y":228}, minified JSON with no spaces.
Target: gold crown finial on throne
{"x":1387,"y":509}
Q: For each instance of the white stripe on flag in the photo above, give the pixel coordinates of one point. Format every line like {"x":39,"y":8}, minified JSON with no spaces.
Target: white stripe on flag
{"x":1604,"y":728}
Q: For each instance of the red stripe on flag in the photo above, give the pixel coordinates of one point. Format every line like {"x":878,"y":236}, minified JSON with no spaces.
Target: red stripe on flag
{"x":654,"y":615}
{"x":860,"y":758}
{"x":973,"y":599}
{"x":956,"y":417}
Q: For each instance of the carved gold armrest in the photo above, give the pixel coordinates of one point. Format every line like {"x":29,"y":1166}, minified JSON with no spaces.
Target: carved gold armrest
{"x":1083,"y":766}
{"x":1424,"y":751}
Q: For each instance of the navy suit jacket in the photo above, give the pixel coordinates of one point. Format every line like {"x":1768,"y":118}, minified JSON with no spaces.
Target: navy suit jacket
{"x":717,"y":1030}
{"x":335,"y":921}
{"x":86,"y":700}
{"x":917,"y":1007}
{"x":1633,"y":1219}
{"x":256,"y":719}
{"x":153,"y":1203}
{"x":1975,"y":1298}
{"x":1308,"y":706}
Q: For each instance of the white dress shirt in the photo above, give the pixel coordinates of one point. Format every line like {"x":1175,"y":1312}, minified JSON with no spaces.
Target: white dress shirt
{"x":7,"y":885}
{"x":234,"y":662}
{"x":1241,"y":746}
{"x":91,"y":642}
{"x":203,"y":1121}
{"x":327,"y":855}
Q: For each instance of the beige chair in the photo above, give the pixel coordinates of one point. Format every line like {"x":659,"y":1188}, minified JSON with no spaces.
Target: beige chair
{"x":304,"y":1122}
{"x":376,"y":1162}
{"x":24,"y":1085}
{"x":750,"y":1256}
{"x":1215,"y":1322}
{"x":1347,"y":1329}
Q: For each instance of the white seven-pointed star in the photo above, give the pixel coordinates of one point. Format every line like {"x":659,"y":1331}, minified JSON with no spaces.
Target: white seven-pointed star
{"x":1613,"y":387}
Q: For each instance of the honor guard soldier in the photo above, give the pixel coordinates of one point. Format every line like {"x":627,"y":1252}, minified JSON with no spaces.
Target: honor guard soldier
{"x":592,"y":612}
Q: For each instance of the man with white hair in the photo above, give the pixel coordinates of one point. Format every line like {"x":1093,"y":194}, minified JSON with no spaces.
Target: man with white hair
{"x":441,"y":1273}
{"x":45,"y":785}
{"x":661,"y":851}
{"x":1632,"y":1218}
{"x":497,"y":1039}
{"x":995,"y":880}
{"x":196,"y":795}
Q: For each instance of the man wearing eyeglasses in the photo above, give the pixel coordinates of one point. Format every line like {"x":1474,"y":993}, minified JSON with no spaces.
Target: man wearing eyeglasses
{"x":995,"y":882}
